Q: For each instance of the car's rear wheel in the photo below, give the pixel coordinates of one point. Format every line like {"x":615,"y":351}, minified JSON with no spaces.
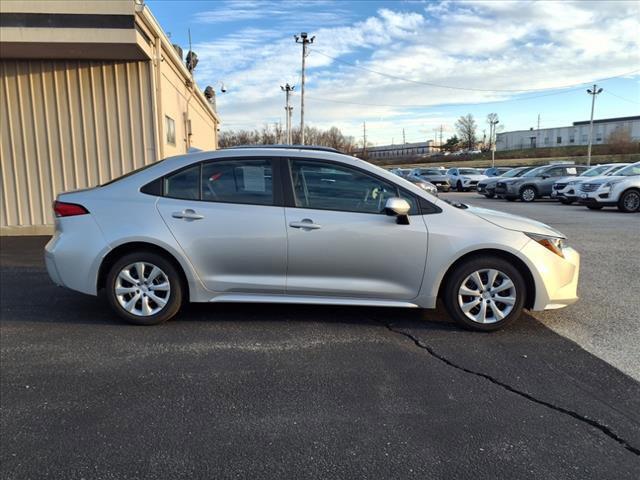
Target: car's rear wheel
{"x":485,"y":293}
{"x":144,"y":288}
{"x":528,"y":194}
{"x":629,"y":201}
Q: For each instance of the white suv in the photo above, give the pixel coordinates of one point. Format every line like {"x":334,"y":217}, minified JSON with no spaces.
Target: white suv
{"x":621,"y":190}
{"x":464,"y":179}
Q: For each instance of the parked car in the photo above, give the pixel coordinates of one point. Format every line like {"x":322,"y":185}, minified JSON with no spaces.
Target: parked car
{"x":496,"y":171}
{"x":300,"y":225}
{"x":536,"y":183}
{"x":487,"y":187}
{"x":436,"y":176}
{"x":566,"y":191}
{"x":423,"y":184}
{"x":401,"y":172}
{"x":621,"y":190}
{"x":464,"y":179}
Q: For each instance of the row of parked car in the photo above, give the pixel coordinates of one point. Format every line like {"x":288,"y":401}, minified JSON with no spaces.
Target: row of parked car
{"x":607,"y":185}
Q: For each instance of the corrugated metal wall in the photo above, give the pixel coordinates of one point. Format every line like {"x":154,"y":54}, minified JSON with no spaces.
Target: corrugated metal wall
{"x":68,"y":125}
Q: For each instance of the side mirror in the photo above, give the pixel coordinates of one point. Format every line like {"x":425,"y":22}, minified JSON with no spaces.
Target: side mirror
{"x":398,"y":207}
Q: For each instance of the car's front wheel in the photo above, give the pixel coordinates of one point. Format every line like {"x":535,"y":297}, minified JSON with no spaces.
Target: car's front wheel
{"x":528,"y":194}
{"x":144,"y":288}
{"x":629,"y":201}
{"x":485,"y":293}
{"x":489,"y":195}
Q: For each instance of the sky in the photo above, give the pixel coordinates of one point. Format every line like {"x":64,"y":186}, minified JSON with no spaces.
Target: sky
{"x":412,"y":65}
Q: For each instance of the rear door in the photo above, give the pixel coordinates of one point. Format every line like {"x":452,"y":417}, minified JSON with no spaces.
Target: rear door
{"x":228,"y":217}
{"x":341,"y":243}
{"x":545,"y":184}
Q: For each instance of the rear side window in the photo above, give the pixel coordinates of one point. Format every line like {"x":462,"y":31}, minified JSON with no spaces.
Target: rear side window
{"x":184,"y":184}
{"x":238,"y":181}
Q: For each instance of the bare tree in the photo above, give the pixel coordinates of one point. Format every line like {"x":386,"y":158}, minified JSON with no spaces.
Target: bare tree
{"x":620,"y":140}
{"x":466,"y":128}
{"x":492,"y":120}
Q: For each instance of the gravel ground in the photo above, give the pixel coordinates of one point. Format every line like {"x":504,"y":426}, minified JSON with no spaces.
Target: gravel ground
{"x":606,"y":319}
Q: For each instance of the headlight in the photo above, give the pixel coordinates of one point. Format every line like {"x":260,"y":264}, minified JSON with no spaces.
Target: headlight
{"x":554,"y":244}
{"x":610,"y":184}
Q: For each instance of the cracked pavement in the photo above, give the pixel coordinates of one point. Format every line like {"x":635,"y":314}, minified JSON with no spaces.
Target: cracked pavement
{"x":277,"y":391}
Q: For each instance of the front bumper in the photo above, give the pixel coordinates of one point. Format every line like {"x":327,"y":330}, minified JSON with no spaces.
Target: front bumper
{"x":600,"y":197}
{"x":556,"y":278}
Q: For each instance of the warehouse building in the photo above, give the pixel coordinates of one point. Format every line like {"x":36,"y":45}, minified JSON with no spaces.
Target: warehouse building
{"x":88,"y":91}
{"x":577,"y":134}
{"x":388,"y":152}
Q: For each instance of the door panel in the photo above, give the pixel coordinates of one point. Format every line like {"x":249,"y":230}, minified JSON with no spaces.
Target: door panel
{"x":354,"y":254}
{"x":234,"y":248}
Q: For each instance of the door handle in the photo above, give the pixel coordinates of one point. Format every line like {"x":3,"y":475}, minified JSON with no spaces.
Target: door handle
{"x":305,"y":224}
{"x":187,"y":214}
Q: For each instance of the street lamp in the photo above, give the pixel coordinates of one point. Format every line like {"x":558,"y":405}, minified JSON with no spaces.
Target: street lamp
{"x":593,"y":92}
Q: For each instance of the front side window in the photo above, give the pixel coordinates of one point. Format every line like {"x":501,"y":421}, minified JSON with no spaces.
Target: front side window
{"x":328,"y":186}
{"x":556,"y":172}
{"x":238,"y":181}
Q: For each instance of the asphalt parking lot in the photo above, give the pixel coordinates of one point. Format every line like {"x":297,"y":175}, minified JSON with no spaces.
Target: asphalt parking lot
{"x":268,"y":391}
{"x":606,"y":320}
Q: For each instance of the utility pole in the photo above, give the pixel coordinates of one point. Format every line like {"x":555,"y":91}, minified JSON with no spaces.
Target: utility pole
{"x":440,"y":137}
{"x":364,"y":140}
{"x":593,"y":92}
{"x":287,"y":89}
{"x":492,"y":134}
{"x":538,"y":132}
{"x":304,"y":40}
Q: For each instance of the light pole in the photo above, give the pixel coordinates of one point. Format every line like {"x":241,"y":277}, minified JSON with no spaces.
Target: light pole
{"x":593,"y":92}
{"x":287,"y":89}
{"x":492,"y":139}
{"x":304,"y":40}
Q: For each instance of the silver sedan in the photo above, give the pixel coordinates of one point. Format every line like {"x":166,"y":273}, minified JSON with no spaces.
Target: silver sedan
{"x":300,"y":225}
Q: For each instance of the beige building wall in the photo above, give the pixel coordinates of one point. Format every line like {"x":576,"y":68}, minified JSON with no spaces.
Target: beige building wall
{"x":67,"y":123}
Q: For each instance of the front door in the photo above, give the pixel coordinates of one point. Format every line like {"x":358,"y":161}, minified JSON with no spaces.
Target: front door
{"x":341,"y":243}
{"x":224,"y":215}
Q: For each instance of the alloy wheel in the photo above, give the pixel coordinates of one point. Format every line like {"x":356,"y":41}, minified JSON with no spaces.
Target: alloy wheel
{"x":631,"y":201}
{"x":142,"y":289}
{"x":487,"y":296}
{"x":528,"y":195}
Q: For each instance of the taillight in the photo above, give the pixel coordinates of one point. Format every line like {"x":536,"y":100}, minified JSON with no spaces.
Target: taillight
{"x":62,"y":209}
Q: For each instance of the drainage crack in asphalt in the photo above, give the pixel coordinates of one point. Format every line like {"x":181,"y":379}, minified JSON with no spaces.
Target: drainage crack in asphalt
{"x":604,"y":429}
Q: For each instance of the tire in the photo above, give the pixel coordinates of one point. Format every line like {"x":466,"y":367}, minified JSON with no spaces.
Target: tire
{"x":147,"y":293}
{"x":459,"y":186}
{"x":528,"y":194}
{"x":489,"y":195}
{"x":594,"y":207}
{"x":629,"y":201}
{"x":463,"y":273}
{"x":564,"y":201}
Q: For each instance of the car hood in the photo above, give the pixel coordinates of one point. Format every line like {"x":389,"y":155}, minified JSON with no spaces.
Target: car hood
{"x":474,"y":177}
{"x":602,"y":179}
{"x":514,"y":222}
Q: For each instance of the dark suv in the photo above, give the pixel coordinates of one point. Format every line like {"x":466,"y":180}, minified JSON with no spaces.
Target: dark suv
{"x":536,"y":183}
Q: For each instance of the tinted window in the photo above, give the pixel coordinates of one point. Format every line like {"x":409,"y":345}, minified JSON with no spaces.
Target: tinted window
{"x":327,"y":186}
{"x":184,"y":184}
{"x":238,"y":181}
{"x":470,"y":171}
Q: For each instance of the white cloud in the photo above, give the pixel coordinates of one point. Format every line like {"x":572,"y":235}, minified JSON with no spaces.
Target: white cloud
{"x":478,"y":44}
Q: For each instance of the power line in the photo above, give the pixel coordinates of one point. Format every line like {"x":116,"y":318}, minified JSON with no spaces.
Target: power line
{"x":431,"y":84}
{"x":621,"y":98}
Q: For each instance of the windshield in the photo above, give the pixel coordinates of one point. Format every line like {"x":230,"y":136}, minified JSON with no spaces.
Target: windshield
{"x":595,"y":171}
{"x":469,"y":171}
{"x":516,"y":172}
{"x":535,"y":172}
{"x":427,"y":171}
{"x":629,"y":170}
{"x":132,"y":172}
{"x":615,"y":170}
